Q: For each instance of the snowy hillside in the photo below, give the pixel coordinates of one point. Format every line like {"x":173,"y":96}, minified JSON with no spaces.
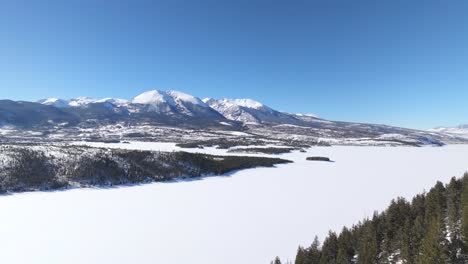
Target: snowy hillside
{"x":48,"y":167}
{"x":55,"y":102}
{"x":172,"y":102}
{"x":459,"y":131}
{"x":243,"y":110}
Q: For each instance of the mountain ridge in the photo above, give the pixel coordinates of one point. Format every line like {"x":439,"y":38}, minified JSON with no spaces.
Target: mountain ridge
{"x":162,"y":110}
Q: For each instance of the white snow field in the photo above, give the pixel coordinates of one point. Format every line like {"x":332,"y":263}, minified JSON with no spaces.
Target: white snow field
{"x":248,"y":217}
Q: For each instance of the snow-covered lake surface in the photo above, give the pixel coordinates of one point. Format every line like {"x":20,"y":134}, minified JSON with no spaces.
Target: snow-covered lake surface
{"x":248,"y":217}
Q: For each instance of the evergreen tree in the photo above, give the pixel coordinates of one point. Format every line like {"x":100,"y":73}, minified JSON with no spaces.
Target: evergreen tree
{"x":436,"y":204}
{"x":453,"y":220}
{"x":368,"y":248}
{"x":329,"y":249}
{"x":276,"y":261}
{"x":314,"y":253}
{"x":301,"y":256}
{"x":432,"y":248}
{"x":408,"y":243}
{"x":464,"y":219}
{"x":394,"y":219}
{"x":345,"y":247}
{"x":453,"y":206}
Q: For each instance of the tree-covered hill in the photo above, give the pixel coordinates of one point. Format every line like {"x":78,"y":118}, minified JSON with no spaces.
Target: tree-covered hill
{"x":430,"y":229}
{"x":43,"y":167}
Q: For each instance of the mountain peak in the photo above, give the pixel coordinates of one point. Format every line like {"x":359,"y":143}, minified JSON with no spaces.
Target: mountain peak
{"x":150,"y":97}
{"x":243,"y":110}
{"x":245,"y":102}
{"x":170,"y":97}
{"x":237,"y":103}
{"x":81,"y":101}
{"x":54,"y":102}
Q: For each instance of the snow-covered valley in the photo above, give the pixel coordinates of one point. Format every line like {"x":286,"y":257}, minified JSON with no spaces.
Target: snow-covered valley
{"x":249,"y":216}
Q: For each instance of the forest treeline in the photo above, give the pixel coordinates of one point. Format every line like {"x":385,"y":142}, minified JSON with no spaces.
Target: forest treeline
{"x":432,"y":228}
{"x":40,"y":167}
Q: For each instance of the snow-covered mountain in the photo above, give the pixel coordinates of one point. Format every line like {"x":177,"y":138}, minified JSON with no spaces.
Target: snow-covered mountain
{"x":170,"y":97}
{"x":154,"y":109}
{"x":249,"y":111}
{"x":55,"y":102}
{"x":458,"y":131}
{"x":155,"y":106}
{"x":172,"y":103}
{"x":81,"y":102}
{"x":27,"y":114}
{"x":114,"y":101}
{"x":88,"y":108}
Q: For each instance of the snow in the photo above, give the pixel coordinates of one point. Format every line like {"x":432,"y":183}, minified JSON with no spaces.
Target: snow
{"x":169,"y":97}
{"x":240,"y":134}
{"x":250,"y":216}
{"x":81,"y":101}
{"x":227,"y":103}
{"x":114,"y":101}
{"x":460,"y":131}
{"x":225,"y":123}
{"x":54,"y":102}
{"x":183,"y":97}
{"x":235,"y":109}
{"x":150,"y":97}
{"x":307,"y":115}
{"x":249,"y":103}
{"x":291,"y":125}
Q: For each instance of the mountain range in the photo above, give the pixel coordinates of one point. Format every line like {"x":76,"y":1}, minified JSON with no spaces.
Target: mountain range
{"x":458,"y":131}
{"x":176,"y":109}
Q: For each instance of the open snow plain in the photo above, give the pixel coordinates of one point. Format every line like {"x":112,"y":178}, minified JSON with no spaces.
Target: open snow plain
{"x":249,"y":216}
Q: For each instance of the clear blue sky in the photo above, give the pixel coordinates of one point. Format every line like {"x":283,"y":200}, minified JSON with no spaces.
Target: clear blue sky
{"x":398,"y":62}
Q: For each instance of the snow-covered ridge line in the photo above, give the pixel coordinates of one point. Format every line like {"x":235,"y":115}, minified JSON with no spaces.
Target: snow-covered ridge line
{"x":458,"y":131}
{"x":177,"y":109}
{"x":171,"y":97}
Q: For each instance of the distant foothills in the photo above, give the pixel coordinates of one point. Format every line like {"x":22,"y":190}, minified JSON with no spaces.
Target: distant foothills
{"x":55,"y":118}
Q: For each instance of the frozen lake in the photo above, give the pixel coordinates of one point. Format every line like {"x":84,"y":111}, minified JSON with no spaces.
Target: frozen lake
{"x":248,"y":217}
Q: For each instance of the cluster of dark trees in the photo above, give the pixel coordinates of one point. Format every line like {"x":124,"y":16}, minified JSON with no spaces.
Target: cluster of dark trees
{"x":431,"y":229}
{"x":25,"y":168}
{"x":317,"y":158}
{"x":269,"y":150}
{"x":222,"y":143}
{"x":225,"y":143}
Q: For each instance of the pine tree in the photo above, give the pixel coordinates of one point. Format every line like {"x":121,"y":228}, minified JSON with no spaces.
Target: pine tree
{"x":407,"y":243}
{"x":329,"y":249}
{"x":464,"y":219}
{"x":394,"y":219}
{"x":435,"y":203}
{"x":276,"y":261}
{"x":368,"y":248}
{"x":454,"y":190}
{"x":418,"y":232}
{"x":314,"y":253}
{"x":432,"y":248}
{"x":345,"y":247}
{"x":301,"y":256}
{"x":453,"y":206}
